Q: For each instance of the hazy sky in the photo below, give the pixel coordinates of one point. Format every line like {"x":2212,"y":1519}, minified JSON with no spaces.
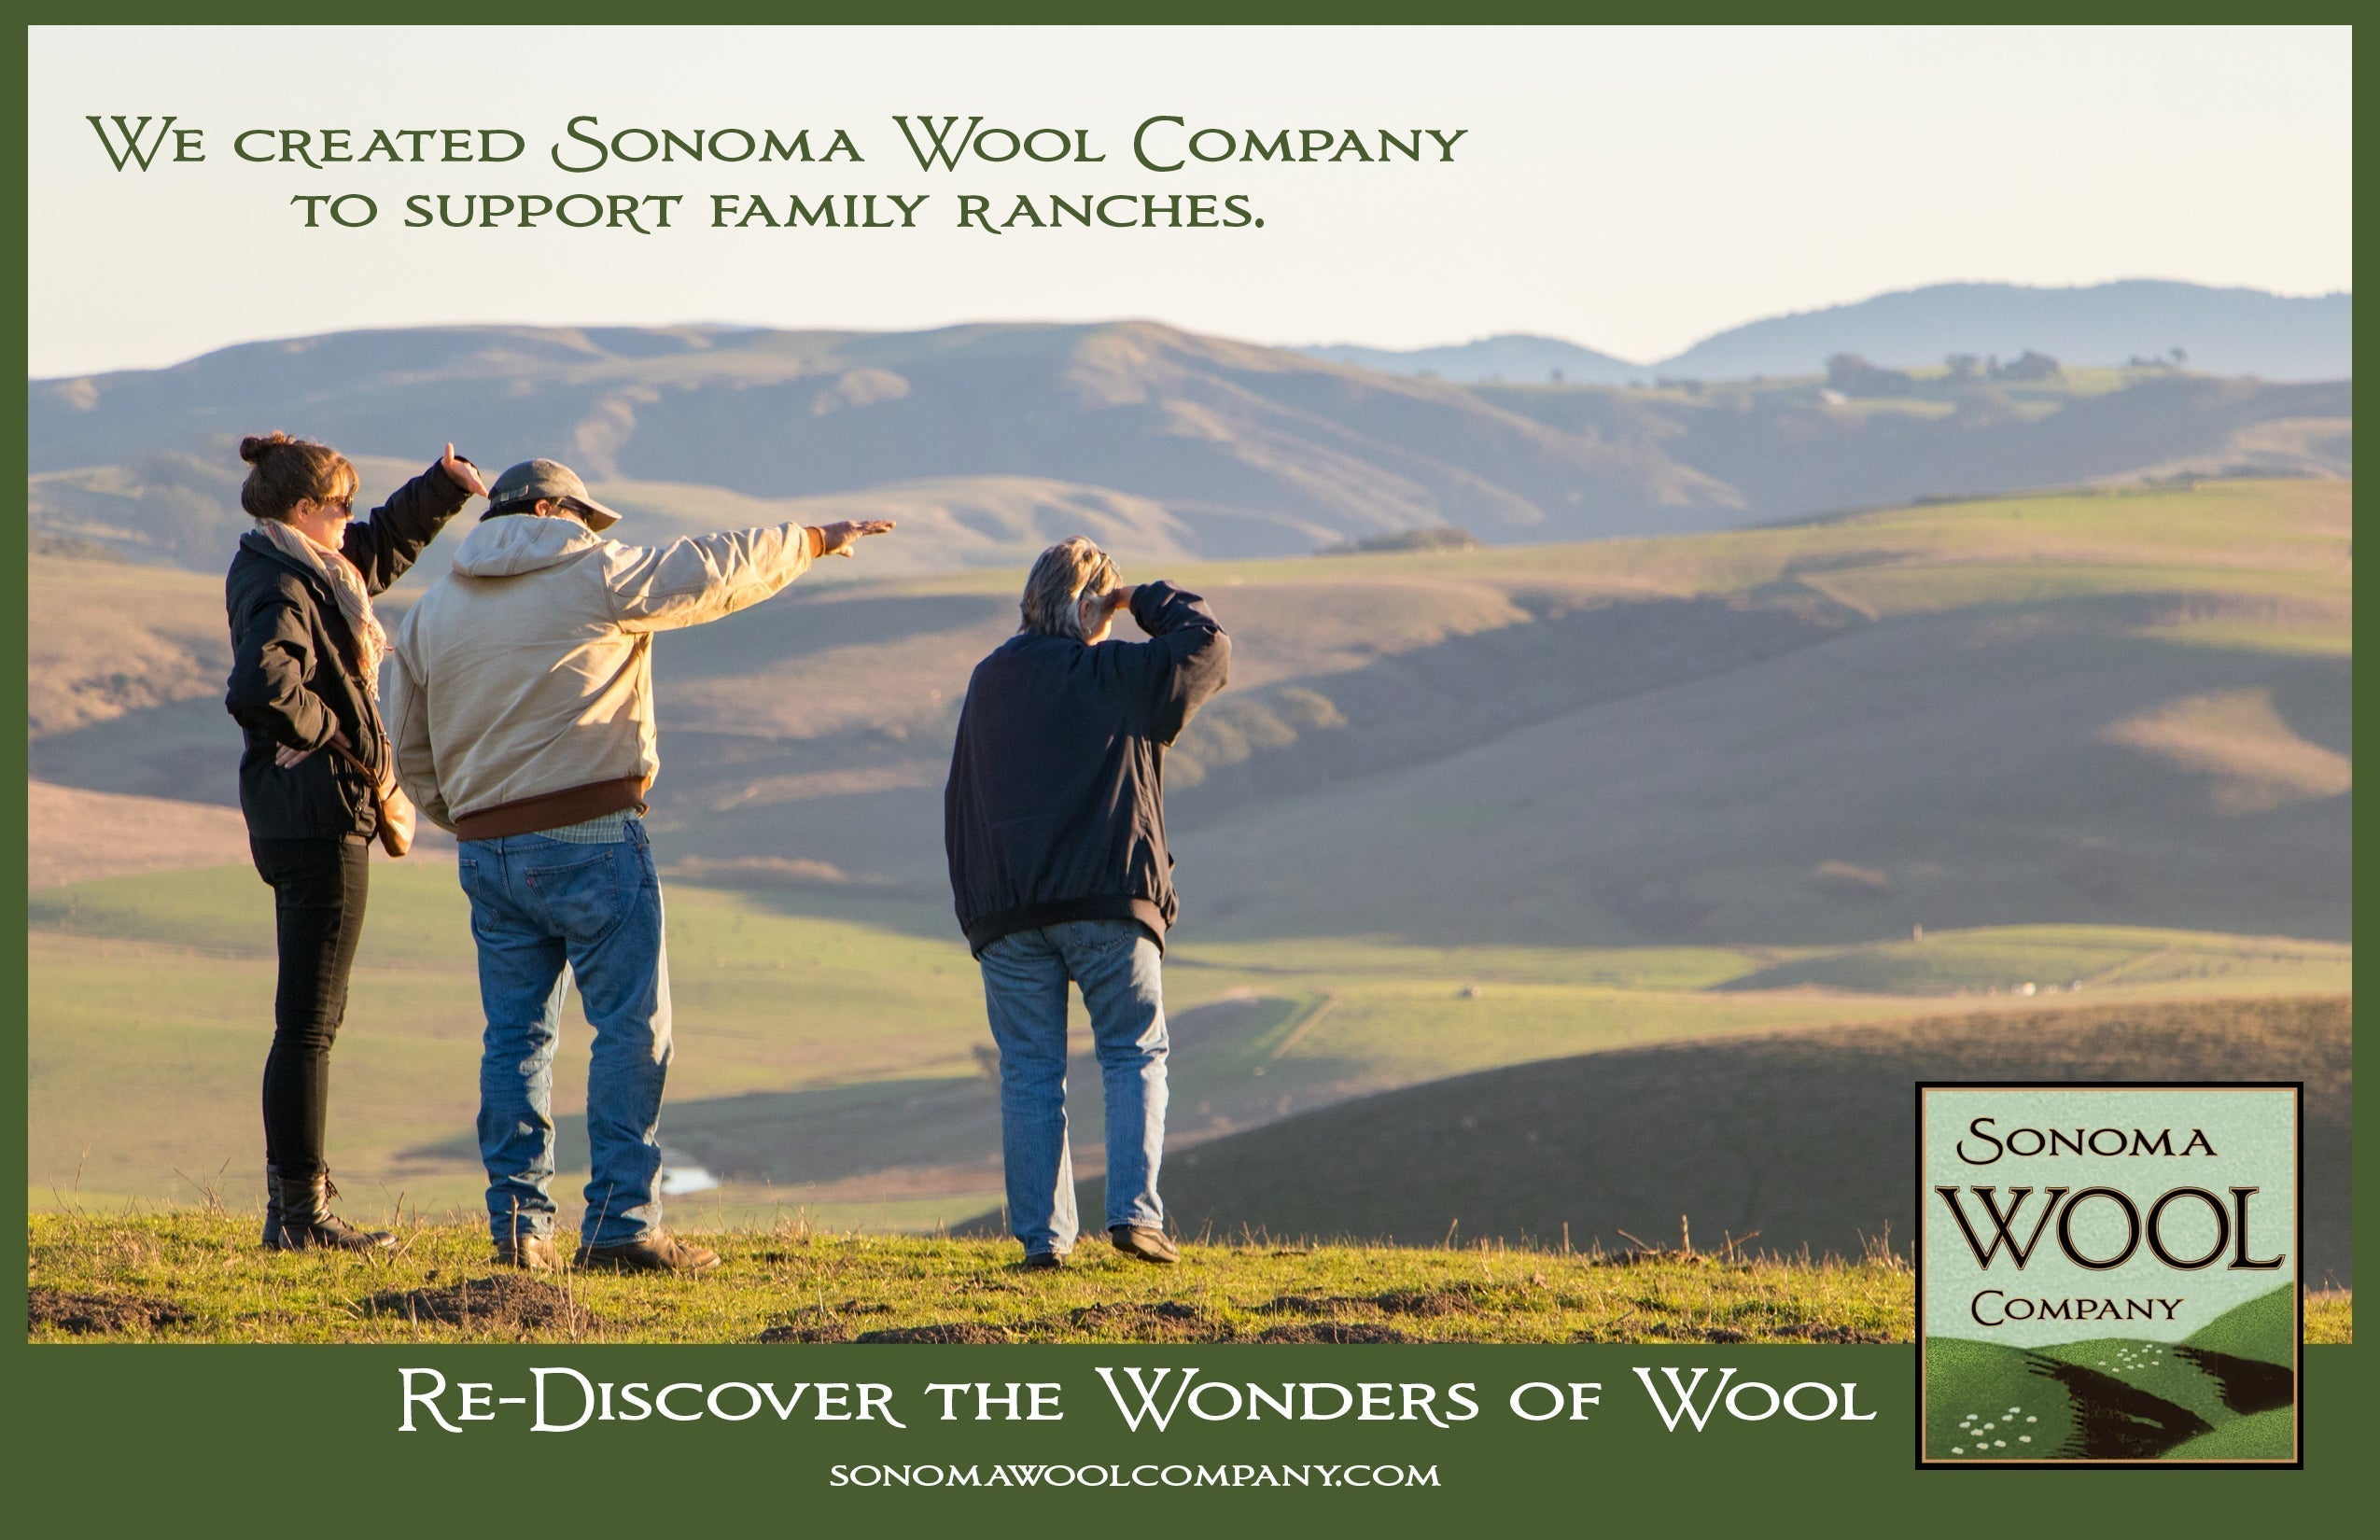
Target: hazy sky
{"x":1630,"y":189}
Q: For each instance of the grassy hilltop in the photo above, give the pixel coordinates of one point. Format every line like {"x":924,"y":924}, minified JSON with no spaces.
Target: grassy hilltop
{"x":196,"y":1276}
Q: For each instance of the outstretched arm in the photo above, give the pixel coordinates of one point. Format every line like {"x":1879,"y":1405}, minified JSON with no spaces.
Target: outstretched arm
{"x":706,"y":578}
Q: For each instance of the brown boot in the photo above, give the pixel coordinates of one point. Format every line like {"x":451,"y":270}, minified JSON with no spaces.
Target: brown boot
{"x":307,"y":1219}
{"x":533,"y":1252}
{"x":1147,"y":1244}
{"x":654,"y":1252}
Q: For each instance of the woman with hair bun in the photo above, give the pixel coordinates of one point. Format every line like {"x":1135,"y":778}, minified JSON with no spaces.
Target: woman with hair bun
{"x":305,"y":681}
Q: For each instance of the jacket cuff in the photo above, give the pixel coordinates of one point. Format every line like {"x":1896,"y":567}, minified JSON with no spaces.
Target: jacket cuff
{"x":329,"y":730}
{"x":444,"y":486}
{"x":1150,"y":601}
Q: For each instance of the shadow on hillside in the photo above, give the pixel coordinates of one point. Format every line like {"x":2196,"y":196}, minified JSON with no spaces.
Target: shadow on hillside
{"x":188,"y":751}
{"x":1806,"y":1138}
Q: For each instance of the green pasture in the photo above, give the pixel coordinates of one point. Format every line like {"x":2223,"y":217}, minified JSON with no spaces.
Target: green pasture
{"x":2269,"y":540}
{"x":838,"y":1068}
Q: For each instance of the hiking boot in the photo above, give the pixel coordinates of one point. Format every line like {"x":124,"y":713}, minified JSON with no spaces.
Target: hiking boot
{"x":654,"y":1252}
{"x":306,"y":1220}
{"x":272,"y":1206}
{"x":531,"y":1253}
{"x":1039,"y":1261}
{"x":1143,"y":1242}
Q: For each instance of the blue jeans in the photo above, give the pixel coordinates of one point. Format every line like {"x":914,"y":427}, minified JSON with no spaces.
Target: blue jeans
{"x":539,"y":905}
{"x":1025,"y":978}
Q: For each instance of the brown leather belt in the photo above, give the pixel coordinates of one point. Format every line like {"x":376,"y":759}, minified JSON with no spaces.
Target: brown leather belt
{"x":555,"y":809}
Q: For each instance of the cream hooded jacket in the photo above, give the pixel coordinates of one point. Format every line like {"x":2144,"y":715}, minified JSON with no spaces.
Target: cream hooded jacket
{"x":527,"y":670}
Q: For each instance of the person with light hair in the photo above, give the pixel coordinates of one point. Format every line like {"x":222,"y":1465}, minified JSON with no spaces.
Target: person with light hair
{"x":1053,"y":824}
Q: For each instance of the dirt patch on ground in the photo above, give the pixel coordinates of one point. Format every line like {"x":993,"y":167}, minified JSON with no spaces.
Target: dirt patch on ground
{"x":1423,"y":1302}
{"x":972,"y":1334}
{"x":1311,"y":1304}
{"x":1462,"y":1300}
{"x":1161,"y":1321}
{"x":503,"y":1302}
{"x":100,"y":1314}
{"x":1334,"y":1331}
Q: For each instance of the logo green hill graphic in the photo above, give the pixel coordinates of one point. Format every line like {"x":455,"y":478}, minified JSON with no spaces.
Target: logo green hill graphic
{"x":2228,"y":1392}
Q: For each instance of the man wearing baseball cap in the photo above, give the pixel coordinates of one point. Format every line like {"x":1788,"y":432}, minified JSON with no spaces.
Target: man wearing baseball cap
{"x":521,"y":703}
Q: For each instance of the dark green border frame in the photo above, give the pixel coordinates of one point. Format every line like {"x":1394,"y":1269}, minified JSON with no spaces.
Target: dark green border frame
{"x":113,"y":1440}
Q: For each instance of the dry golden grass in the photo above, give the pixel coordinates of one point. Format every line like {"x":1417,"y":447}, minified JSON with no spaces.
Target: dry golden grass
{"x":72,"y":835}
{"x":2235,"y":738}
{"x":103,"y":638}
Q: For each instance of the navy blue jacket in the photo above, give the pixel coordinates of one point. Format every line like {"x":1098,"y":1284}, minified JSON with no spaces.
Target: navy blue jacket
{"x":1056,"y":806}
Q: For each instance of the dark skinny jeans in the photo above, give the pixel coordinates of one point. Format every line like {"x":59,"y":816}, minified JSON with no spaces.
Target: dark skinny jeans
{"x":318,"y":890}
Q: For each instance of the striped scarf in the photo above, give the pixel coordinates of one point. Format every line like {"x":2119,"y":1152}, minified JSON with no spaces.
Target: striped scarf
{"x":348,"y":585}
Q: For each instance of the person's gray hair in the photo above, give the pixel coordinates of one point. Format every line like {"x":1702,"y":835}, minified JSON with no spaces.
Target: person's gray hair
{"x":1060,"y":576}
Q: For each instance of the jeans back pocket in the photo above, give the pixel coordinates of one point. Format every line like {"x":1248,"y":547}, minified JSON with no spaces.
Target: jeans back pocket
{"x":578,"y":895}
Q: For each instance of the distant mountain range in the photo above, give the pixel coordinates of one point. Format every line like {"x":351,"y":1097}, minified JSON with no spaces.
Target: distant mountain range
{"x":2220,"y":331}
{"x":990,"y":442}
{"x":1514,"y":355}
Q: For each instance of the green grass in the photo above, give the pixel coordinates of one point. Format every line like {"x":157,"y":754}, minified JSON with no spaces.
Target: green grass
{"x":806,"y":1282}
{"x":2284,"y":543}
{"x":794,"y":1277}
{"x":2072,"y":959}
{"x":2330,"y":1315}
{"x":149,"y":999}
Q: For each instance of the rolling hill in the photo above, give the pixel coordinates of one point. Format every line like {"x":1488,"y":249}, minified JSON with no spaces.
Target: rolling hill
{"x":985,"y":440}
{"x":1257,"y":451}
{"x":1513,"y":356}
{"x":1805,"y":1138}
{"x":2123,"y":708}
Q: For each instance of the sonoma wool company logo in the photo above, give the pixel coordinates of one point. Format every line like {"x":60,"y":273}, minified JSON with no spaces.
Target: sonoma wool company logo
{"x":2108,"y":1275}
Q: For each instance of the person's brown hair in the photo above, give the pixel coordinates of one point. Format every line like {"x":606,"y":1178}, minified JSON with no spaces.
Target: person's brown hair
{"x":286,"y":471}
{"x":1062,"y":575}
